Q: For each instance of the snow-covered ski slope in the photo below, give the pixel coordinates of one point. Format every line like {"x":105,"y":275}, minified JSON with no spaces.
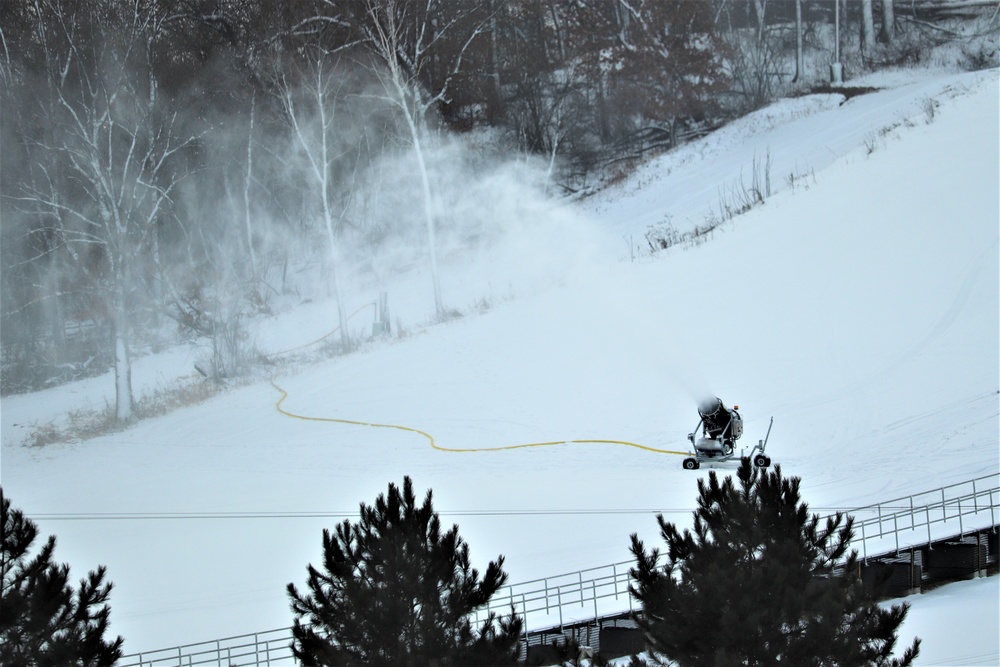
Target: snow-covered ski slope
{"x":858,"y":307}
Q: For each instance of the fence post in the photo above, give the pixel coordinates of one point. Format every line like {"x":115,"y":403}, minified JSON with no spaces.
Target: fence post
{"x":579,"y":574}
{"x":864,"y":544}
{"x":979,"y":554}
{"x":927,"y":512}
{"x":593,"y":587}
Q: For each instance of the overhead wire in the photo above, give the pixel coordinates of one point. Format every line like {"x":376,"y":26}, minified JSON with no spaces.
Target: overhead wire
{"x":152,"y":516}
{"x":344,"y":514}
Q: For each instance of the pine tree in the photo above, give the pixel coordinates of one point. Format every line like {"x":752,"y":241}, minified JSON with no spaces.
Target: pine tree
{"x":760,"y":581}
{"x":395,"y":590}
{"x":43,"y":621}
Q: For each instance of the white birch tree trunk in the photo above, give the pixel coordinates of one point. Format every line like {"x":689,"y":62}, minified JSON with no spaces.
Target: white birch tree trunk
{"x":798,"y":42}
{"x":124,"y":403}
{"x":323,"y":173}
{"x":867,"y":27}
{"x":888,"y":31}
{"x":760,"y":11}
{"x":403,"y":87}
{"x":319,"y":165}
{"x":246,"y":195}
{"x":331,"y":237}
{"x":412,"y":122}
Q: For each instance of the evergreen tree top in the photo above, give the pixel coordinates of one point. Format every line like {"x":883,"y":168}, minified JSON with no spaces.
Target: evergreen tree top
{"x":761,"y":581}
{"x":44,"y":622}
{"x":394,"y":589}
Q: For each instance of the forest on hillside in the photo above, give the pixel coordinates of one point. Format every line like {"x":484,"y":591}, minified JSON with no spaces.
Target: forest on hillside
{"x":170,"y":167}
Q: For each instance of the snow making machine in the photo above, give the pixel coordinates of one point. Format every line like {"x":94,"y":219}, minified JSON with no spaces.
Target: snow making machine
{"x":720,"y":428}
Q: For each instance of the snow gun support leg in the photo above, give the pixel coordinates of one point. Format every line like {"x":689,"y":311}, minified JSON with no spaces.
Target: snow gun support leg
{"x":757,"y":455}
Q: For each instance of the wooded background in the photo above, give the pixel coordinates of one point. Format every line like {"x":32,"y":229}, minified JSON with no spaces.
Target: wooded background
{"x":168,"y":166}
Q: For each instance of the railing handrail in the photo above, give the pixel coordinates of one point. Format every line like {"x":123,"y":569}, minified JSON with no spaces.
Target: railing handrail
{"x":552,"y":594}
{"x":218,"y":651}
{"x":995,"y":476}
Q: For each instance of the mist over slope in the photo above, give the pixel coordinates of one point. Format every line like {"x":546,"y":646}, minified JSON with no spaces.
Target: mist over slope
{"x":857,"y":305}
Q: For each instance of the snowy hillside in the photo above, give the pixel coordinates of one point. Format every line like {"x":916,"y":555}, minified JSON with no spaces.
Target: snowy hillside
{"x":858,"y":306}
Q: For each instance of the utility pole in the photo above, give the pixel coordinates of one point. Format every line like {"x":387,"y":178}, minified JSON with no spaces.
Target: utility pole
{"x":836,"y":69}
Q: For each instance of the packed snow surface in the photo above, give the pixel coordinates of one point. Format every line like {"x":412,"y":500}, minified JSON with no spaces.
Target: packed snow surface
{"x":857,"y":306}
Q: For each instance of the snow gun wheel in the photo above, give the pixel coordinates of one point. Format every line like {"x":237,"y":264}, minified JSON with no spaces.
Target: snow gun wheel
{"x":762,"y":461}
{"x":691,"y":463}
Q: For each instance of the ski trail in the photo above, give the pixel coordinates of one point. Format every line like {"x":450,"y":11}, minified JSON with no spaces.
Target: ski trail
{"x":947,"y":319}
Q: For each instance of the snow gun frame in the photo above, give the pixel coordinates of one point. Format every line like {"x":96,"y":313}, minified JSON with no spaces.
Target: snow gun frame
{"x":721,"y":448}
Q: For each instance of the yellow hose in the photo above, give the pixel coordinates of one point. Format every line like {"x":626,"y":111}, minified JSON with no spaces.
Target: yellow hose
{"x":324,"y":336}
{"x":430,"y":438}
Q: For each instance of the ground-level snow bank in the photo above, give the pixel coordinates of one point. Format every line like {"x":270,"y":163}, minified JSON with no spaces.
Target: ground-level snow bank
{"x":957,"y":623}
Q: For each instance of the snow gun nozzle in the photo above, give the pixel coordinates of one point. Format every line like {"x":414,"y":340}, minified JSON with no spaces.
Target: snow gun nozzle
{"x":710,"y":407}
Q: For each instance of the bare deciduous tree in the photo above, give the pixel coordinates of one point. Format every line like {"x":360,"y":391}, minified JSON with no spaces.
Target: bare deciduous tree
{"x":311,"y":108}
{"x":118,"y":149}
{"x":406,"y":40}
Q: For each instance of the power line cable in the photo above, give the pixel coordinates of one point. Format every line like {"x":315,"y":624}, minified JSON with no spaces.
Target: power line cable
{"x":152,"y":516}
{"x":338,"y":514}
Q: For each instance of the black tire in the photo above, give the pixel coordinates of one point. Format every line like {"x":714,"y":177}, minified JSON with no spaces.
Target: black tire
{"x":727,"y":448}
{"x":690,"y":463}
{"x":761,"y":461}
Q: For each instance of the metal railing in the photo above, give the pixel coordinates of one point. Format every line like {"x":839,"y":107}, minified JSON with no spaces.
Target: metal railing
{"x":552,"y":601}
{"x":586,"y":594}
{"x":273,"y":647}
{"x":908,"y":521}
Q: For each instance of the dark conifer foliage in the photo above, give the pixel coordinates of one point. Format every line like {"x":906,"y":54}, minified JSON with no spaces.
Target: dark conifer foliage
{"x":761,"y":581}
{"x":396,"y":590}
{"x":43,"y":621}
